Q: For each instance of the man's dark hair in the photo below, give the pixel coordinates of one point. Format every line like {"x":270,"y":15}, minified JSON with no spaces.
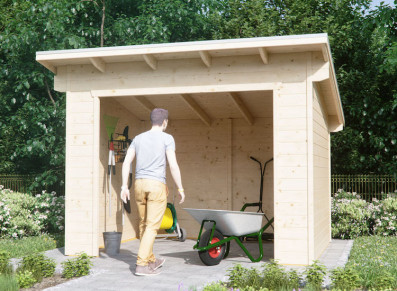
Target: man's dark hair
{"x":158,"y":116}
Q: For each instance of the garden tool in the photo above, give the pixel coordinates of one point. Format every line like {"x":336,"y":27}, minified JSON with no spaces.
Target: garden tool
{"x":110,"y":124}
{"x":111,"y":165}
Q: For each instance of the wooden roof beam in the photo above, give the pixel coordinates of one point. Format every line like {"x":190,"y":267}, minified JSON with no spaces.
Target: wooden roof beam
{"x":242,"y":107}
{"x":264,"y":55}
{"x":206,"y":58}
{"x":151,"y":61}
{"x":197,"y":109}
{"x":325,"y":53}
{"x":49,"y":66}
{"x":99,"y":64}
{"x":145,"y":103}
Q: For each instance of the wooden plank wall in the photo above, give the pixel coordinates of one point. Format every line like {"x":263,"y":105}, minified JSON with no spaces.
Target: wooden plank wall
{"x":113,"y":221}
{"x":321,"y":179}
{"x":291,"y":173}
{"x":215,"y":166}
{"x":80,"y":216}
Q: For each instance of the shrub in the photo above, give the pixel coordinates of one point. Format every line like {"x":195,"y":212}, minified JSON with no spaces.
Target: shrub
{"x":77,"y":267}
{"x":345,"y":279}
{"x":25,"y":279}
{"x":274,"y":276}
{"x":384,"y":214}
{"x":315,"y":275}
{"x":8,"y":283}
{"x":237,"y":276}
{"x":24,"y":215}
{"x":353,"y":217}
{"x":350,"y":217}
{"x":39,"y":265}
{"x":5,"y":267}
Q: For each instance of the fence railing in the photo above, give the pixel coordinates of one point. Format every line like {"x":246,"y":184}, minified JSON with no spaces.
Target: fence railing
{"x":368,"y":186}
{"x":22,"y":183}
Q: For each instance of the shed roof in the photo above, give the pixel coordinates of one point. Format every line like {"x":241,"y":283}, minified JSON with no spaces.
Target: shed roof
{"x":204,"y":50}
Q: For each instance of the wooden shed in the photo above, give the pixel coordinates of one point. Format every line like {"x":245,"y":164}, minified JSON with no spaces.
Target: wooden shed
{"x":270,"y":97}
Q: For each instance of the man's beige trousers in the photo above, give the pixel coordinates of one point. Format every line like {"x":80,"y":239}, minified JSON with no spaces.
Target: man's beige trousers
{"x":151,"y":199}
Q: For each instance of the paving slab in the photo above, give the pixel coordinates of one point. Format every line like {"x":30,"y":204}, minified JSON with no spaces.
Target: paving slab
{"x":183,"y":269}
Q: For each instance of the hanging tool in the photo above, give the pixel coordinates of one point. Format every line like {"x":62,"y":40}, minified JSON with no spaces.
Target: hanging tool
{"x":110,"y":124}
{"x":111,"y":166}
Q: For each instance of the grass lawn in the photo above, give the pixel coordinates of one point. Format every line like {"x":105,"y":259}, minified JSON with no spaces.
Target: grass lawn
{"x":30,"y":245}
{"x":375,"y":258}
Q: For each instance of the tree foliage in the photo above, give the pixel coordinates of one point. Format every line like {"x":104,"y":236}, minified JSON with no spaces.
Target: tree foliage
{"x":32,"y":114}
{"x":364,"y":49}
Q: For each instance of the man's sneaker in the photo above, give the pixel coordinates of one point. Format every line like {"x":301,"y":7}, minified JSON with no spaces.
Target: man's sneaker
{"x":157,"y":264}
{"x":146,"y":271}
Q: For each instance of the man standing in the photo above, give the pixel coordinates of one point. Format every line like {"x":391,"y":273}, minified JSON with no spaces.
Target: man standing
{"x":151,"y":148}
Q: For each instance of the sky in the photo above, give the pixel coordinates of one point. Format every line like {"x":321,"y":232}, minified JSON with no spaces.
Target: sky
{"x":377,"y":2}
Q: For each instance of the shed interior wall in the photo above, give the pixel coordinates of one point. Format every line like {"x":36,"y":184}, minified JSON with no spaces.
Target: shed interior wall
{"x":214,"y":161}
{"x":113,"y":221}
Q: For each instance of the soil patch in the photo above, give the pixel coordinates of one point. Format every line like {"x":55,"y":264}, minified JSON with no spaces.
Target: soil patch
{"x":48,"y":282}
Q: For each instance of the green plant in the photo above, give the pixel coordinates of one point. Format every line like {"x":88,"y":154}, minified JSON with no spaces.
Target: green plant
{"x":385,"y":281}
{"x":293,"y":280}
{"x":315,"y":275}
{"x":77,"y":267}
{"x":373,"y":257}
{"x":237,"y":276}
{"x":215,"y":286}
{"x":23,"y":215}
{"x":8,"y":283}
{"x":5,"y":267}
{"x":29,"y":245}
{"x":350,"y":216}
{"x":39,"y":265}
{"x":384,"y":217}
{"x":275,"y":277}
{"x":345,"y":278}
{"x":25,"y":279}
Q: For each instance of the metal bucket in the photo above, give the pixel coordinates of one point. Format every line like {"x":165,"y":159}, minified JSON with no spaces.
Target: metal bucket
{"x":112,"y":242}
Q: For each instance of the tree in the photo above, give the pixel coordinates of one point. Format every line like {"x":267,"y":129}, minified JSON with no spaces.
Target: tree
{"x":32,"y":114}
{"x":364,"y":53}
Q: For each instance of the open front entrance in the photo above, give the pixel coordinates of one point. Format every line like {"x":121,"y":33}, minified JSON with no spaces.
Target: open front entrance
{"x":215,"y":136}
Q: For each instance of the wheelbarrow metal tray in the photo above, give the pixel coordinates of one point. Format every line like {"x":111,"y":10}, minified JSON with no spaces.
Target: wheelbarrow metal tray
{"x":229,"y":223}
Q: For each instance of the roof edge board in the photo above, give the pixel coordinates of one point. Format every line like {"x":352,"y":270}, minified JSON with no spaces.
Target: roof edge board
{"x":183,"y":47}
{"x":334,"y":84}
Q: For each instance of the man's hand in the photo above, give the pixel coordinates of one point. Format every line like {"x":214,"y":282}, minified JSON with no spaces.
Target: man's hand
{"x":125,"y":194}
{"x":182,"y":194}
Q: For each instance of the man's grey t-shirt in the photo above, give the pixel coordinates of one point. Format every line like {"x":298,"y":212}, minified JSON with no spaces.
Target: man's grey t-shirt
{"x":150,"y":148}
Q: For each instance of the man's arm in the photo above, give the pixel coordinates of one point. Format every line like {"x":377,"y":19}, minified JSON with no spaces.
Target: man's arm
{"x":176,"y":173}
{"x":129,"y":158}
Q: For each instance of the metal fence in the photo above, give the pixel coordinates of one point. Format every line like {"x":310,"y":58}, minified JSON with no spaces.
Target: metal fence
{"x":368,"y":186}
{"x":23,"y":183}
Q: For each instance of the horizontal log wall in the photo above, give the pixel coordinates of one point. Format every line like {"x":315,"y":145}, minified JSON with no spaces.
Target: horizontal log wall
{"x":321,"y":177}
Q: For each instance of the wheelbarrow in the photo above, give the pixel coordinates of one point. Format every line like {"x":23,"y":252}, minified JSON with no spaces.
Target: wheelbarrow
{"x":223,"y":226}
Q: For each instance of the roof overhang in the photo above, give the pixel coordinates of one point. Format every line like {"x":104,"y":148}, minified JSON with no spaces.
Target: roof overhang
{"x":205,"y":50}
